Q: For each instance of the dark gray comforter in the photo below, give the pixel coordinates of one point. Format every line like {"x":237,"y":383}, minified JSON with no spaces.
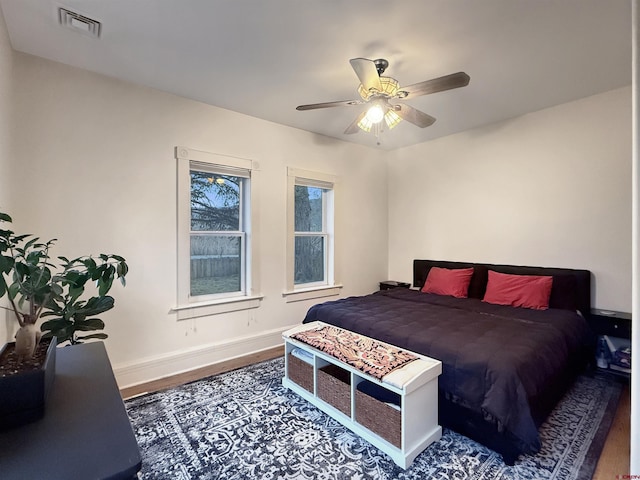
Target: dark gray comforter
{"x":496,"y":359}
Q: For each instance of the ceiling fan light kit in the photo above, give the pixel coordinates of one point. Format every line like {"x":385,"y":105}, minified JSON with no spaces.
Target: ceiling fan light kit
{"x":378,"y":91}
{"x":391,"y":118}
{"x":375,"y":113}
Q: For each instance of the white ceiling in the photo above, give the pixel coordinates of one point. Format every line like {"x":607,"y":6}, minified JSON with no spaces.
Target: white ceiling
{"x":263,"y":58}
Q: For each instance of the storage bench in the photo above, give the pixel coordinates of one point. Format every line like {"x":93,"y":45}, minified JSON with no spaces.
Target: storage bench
{"x":335,"y":387}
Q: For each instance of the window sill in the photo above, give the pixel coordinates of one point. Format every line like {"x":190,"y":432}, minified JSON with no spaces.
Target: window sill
{"x":311,"y":293}
{"x":215,"y":307}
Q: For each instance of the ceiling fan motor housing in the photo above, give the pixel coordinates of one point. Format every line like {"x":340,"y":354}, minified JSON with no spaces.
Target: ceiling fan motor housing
{"x":381,"y":65}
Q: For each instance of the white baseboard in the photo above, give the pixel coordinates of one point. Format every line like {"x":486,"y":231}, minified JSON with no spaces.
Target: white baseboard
{"x":161,"y":366}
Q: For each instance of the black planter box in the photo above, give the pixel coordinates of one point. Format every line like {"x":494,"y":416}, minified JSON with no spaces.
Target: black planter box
{"x":23,"y":396}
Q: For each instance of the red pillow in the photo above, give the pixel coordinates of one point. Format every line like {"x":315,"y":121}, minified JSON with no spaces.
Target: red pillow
{"x":528,"y":291}
{"x":446,"y":281}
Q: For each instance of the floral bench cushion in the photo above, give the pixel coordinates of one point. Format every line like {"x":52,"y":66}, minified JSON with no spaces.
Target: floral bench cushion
{"x":365,"y":354}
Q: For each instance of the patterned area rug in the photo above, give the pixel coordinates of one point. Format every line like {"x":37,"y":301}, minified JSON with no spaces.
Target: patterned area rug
{"x":245,"y":425}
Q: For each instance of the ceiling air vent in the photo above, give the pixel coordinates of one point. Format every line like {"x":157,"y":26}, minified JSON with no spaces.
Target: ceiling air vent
{"x":79,"y":23}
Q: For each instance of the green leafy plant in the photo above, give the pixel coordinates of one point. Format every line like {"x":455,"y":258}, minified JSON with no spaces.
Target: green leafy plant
{"x":38,"y":287}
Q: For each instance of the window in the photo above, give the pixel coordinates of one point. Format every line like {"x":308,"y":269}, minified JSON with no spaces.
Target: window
{"x":217,"y":235}
{"x":214,"y":233}
{"x":310,"y":246}
{"x":311,"y":234}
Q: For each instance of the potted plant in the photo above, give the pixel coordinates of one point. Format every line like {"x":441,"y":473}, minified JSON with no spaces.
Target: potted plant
{"x":36,"y":287}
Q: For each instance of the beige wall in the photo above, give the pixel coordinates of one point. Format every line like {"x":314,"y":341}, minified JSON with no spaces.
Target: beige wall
{"x":99,"y":153}
{"x":6,"y":76}
{"x":551,"y":188}
{"x":6,"y":85}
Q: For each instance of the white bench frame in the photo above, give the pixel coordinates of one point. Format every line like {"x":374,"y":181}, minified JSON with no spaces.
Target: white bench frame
{"x":418,"y":406}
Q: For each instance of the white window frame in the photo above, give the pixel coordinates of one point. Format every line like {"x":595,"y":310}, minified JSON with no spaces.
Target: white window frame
{"x":204,"y":305}
{"x":329,"y":286}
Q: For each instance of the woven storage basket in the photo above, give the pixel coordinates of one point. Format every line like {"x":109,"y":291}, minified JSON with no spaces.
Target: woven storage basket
{"x":300,"y":372}
{"x":334,"y":387}
{"x":380,"y":418}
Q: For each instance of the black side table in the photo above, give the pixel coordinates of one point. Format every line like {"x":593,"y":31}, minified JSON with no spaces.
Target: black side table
{"x":609,"y":322}
{"x":389,"y":284}
{"x":612,"y":324}
{"x":85,"y":432}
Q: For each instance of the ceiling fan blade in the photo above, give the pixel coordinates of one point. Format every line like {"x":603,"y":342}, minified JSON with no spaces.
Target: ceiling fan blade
{"x":340,"y":103}
{"x":412,"y":115}
{"x":367,"y":73}
{"x":353,"y":127}
{"x":435,"y":85}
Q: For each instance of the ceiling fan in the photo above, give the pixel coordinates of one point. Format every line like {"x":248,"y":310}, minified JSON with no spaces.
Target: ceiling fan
{"x":380,"y":93}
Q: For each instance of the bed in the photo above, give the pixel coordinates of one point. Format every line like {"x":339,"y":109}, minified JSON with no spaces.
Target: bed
{"x":504,"y":367}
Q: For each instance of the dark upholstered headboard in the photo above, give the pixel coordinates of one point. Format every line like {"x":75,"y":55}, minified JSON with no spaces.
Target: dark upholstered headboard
{"x":571,"y":288}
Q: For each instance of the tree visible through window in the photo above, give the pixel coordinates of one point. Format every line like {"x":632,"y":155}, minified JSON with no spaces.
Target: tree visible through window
{"x":310,"y":264}
{"x":217,"y":233}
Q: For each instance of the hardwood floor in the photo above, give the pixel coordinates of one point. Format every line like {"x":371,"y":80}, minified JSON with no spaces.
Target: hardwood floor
{"x":614,"y":461}
{"x":190,"y":376}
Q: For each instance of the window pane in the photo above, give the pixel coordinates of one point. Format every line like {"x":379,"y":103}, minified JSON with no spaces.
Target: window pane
{"x":309,"y":259}
{"x":308,"y":209}
{"x":215,"y":264}
{"x":215,"y":201}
